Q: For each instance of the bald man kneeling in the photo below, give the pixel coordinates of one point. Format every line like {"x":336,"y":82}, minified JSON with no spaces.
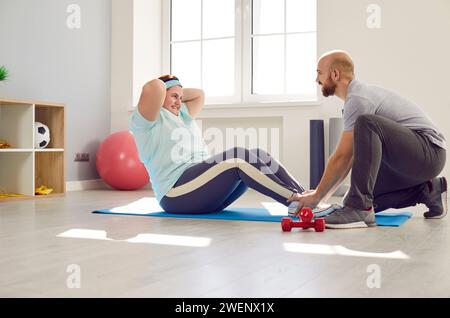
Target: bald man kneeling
{"x":394,"y":150}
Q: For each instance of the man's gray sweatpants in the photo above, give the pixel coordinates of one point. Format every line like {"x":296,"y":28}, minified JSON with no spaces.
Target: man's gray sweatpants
{"x":391,"y":165}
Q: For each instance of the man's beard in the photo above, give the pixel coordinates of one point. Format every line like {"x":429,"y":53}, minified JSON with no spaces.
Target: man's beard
{"x":329,"y":89}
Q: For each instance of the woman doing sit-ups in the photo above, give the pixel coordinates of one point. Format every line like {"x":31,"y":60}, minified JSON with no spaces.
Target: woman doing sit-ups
{"x":185,"y":178}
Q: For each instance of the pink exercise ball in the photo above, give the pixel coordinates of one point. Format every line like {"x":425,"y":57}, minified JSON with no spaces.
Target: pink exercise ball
{"x":118,"y":162}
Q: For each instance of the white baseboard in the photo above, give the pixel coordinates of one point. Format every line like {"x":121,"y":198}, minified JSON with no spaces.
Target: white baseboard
{"x":86,"y":185}
{"x":91,"y":185}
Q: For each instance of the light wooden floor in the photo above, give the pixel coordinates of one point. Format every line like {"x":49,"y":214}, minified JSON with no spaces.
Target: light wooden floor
{"x":210,"y":258}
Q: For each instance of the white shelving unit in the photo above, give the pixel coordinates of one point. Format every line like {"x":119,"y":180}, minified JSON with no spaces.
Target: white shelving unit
{"x":23,"y":168}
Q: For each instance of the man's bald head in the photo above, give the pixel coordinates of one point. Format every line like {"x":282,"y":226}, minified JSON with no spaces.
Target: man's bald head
{"x":335,"y":71}
{"x":338,"y":60}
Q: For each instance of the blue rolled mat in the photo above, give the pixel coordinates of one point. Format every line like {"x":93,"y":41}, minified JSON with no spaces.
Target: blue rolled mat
{"x":249,"y":214}
{"x":317,"y":152}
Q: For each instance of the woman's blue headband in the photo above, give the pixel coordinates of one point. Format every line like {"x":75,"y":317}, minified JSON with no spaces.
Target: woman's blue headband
{"x":172,"y":83}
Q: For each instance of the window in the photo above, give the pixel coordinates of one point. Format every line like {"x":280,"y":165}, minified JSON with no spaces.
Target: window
{"x":243,"y":51}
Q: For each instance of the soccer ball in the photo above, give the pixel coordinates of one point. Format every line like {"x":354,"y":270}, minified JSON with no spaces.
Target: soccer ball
{"x":41,"y":135}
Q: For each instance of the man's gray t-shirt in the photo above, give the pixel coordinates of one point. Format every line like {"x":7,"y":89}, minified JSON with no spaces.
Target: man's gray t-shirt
{"x":363,"y":99}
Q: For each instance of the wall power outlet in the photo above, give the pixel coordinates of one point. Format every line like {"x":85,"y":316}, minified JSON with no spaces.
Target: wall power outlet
{"x":79,"y":157}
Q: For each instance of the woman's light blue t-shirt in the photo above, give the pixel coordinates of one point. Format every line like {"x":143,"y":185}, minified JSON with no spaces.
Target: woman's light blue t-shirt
{"x":167,"y":146}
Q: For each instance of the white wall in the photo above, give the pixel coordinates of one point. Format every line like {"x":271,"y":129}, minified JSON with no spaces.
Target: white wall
{"x":408,"y":54}
{"x":146,"y":44}
{"x":135,"y":54}
{"x":50,"y":61}
{"x":121,"y":63}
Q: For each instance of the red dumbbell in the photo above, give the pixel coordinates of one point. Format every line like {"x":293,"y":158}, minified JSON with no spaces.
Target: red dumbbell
{"x":306,"y":216}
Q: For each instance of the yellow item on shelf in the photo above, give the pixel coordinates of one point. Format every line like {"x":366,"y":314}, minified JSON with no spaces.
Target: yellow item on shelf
{"x":4,"y":194}
{"x":4,"y":144}
{"x":43,"y":190}
{"x":10,"y":195}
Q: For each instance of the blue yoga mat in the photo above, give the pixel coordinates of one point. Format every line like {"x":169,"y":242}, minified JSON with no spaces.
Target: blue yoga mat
{"x":246,"y":214}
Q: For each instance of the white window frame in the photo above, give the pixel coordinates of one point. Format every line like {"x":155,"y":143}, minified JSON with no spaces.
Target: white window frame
{"x":243,"y":96}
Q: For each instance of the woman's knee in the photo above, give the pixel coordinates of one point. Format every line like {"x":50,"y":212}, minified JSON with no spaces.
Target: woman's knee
{"x":263,"y":155}
{"x":239,"y":152}
{"x":258,"y":151}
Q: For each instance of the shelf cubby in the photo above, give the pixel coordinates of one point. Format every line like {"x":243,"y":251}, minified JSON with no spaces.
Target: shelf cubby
{"x":53,"y":117}
{"x":15,"y":124}
{"x":49,"y":171}
{"x":15,"y":171}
